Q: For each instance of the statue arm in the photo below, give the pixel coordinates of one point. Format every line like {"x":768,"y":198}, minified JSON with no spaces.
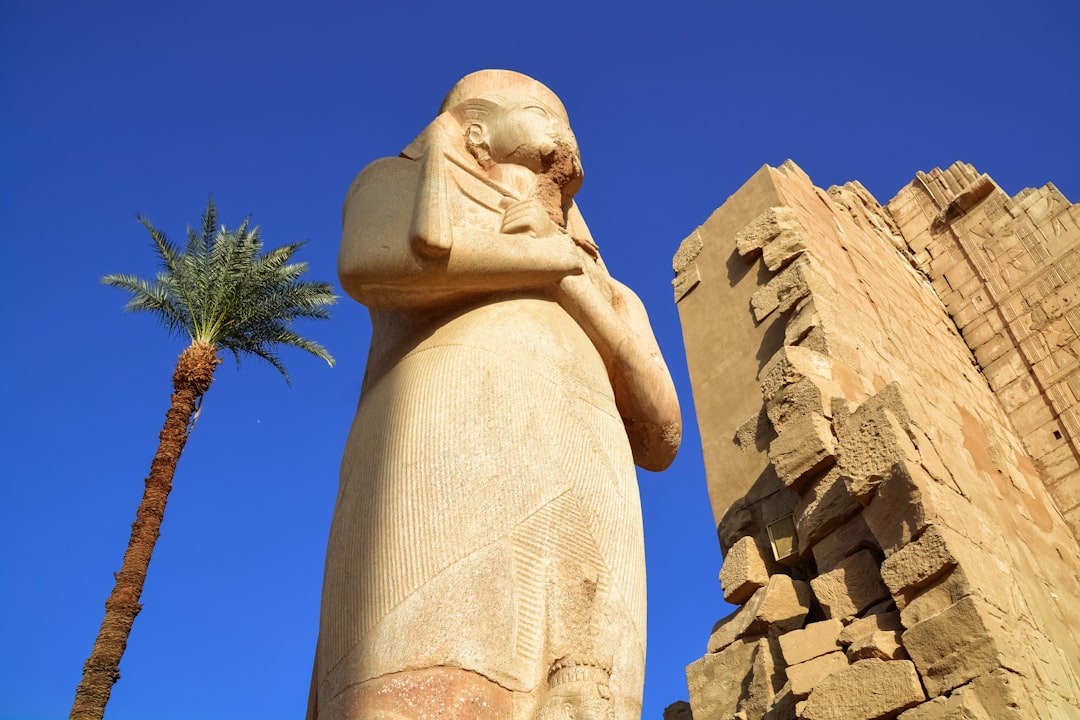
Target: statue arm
{"x":644,"y":392}
{"x":382,"y":265}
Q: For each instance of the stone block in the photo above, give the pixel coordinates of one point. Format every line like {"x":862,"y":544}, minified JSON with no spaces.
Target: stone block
{"x":783,"y":707}
{"x":810,"y":642}
{"x":871,"y":440}
{"x":999,"y":695}
{"x":782,"y":604}
{"x":766,"y":226}
{"x":716,"y":680}
{"x":852,"y":586}
{"x":781,"y":293}
{"x":959,"y":644}
{"x":791,"y":364}
{"x":849,"y":538}
{"x":743,"y":571}
{"x":808,"y":316}
{"x":910,"y":499}
{"x":766,"y":679}
{"x":678,"y":710}
{"x":881,"y":622}
{"x":808,"y":396}
{"x":884,"y":645}
{"x":824,"y":506}
{"x":789,"y":244}
{"x":868,"y":690}
{"x":803,"y":448}
{"x":920,"y":562}
{"x":805,"y":676}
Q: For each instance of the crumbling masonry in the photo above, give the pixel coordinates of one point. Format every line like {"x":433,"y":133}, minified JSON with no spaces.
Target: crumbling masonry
{"x":889,"y":404}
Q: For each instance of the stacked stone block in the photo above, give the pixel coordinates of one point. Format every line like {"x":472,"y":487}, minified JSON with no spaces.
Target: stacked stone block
{"x":892,"y":547}
{"x":1008,"y":271}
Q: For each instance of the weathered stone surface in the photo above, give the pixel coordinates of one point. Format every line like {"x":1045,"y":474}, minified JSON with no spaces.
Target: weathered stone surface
{"x":815,"y":639}
{"x":783,"y":707}
{"x":920,"y":562}
{"x":716,"y":680}
{"x":909,"y":500}
{"x":996,"y":696}
{"x":678,"y":710}
{"x":777,"y":233}
{"x":766,"y":679}
{"x":942,"y":456}
{"x":959,"y":644}
{"x":805,"y":676}
{"x":783,"y":291}
{"x":790,"y":365}
{"x":854,"y":585}
{"x":511,"y":387}
{"x":782,"y":604}
{"x":881,"y":622}
{"x":880,"y":644}
{"x":825,"y":505}
{"x":872,"y":439}
{"x":845,"y":540}
{"x":743,"y":571}
{"x":867,"y":690}
{"x":804,"y":448}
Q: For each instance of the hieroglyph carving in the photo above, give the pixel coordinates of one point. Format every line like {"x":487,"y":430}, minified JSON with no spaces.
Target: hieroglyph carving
{"x":486,"y":557}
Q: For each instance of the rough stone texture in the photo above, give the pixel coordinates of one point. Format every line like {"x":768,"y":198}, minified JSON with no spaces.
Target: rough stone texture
{"x":815,"y":639}
{"x":805,"y":676}
{"x":678,"y":710}
{"x":867,"y":690}
{"x":853,"y":586}
{"x":920,"y":562}
{"x":743,"y":571}
{"x":803,"y":448}
{"x":880,"y":622}
{"x":947,"y":451}
{"x":488,"y":521}
{"x":1010,"y":269}
{"x":959,"y":644}
{"x":824,"y":506}
{"x":782,"y":604}
{"x":882,"y":645}
{"x":845,"y":540}
{"x":716,"y":680}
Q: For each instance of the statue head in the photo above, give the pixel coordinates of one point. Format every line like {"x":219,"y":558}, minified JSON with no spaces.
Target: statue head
{"x":577,"y":692}
{"x":509,"y":118}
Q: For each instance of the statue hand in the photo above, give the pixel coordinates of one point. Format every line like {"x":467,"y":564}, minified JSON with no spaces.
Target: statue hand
{"x":528,"y":216}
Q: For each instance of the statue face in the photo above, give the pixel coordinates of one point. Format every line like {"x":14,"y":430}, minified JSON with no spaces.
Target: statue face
{"x":529,"y":133}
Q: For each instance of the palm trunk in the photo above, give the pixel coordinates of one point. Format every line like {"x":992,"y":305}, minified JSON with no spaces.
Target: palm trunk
{"x":191,"y":379}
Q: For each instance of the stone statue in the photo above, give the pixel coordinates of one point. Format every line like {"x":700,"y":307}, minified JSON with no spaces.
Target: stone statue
{"x":486,"y":557}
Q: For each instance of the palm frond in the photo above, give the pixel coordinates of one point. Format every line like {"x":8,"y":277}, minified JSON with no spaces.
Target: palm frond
{"x":222,"y":289}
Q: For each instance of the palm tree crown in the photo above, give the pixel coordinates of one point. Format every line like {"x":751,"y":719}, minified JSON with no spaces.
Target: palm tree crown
{"x":221,"y":290}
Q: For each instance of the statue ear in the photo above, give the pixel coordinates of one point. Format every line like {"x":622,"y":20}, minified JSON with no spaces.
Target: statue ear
{"x":476,"y":134}
{"x":568,"y":710}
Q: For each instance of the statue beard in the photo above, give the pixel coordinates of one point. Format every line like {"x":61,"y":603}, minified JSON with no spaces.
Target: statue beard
{"x":559,"y":180}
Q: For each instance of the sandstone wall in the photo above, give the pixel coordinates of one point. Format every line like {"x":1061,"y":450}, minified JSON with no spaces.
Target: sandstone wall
{"x":1008,"y":270}
{"x":890,"y":540}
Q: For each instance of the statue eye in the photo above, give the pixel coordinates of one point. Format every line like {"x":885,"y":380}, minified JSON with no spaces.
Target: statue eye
{"x":536,"y":110}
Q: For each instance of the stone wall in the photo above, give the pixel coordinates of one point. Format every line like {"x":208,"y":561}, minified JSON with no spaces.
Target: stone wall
{"x":884,"y":516}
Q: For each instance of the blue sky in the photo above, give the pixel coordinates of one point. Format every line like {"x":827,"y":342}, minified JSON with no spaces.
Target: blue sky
{"x":108,"y":109}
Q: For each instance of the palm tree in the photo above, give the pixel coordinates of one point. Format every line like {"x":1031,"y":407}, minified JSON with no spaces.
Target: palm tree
{"x":224,"y":294}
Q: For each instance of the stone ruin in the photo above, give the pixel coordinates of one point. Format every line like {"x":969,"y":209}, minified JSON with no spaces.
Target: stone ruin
{"x":889,"y":404}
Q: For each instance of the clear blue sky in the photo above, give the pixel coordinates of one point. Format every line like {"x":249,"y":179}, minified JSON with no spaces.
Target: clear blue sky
{"x":110,"y":109}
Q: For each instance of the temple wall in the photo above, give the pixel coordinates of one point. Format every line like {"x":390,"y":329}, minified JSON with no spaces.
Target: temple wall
{"x":887,"y":532}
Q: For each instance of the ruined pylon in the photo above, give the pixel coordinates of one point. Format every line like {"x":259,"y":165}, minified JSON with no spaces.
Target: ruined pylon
{"x":894,"y":509}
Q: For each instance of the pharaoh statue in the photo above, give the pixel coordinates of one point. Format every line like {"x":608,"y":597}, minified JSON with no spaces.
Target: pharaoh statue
{"x":486,"y":556}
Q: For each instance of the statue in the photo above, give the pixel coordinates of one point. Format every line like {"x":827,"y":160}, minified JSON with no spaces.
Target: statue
{"x":486,"y":557}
